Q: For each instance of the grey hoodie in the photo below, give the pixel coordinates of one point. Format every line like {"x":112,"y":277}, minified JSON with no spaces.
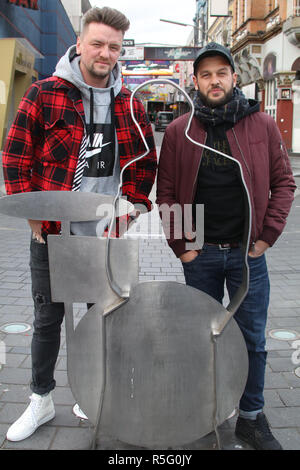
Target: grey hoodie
{"x":101,"y":171}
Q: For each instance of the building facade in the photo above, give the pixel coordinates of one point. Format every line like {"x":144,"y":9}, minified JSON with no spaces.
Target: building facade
{"x":264,"y":38}
{"x":34,"y":34}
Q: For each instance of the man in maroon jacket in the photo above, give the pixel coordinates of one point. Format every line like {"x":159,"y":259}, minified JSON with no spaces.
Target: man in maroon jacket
{"x":247,"y":188}
{"x":74,"y":132}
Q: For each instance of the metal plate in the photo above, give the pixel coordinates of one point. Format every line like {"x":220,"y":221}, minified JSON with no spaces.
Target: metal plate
{"x":60,"y":205}
{"x":159,"y":366}
{"x":78,"y":273}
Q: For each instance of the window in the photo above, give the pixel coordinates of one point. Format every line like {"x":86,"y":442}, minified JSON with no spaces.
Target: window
{"x":238,"y":16}
{"x":297,"y":7}
{"x":270,"y":98}
{"x":245,"y":9}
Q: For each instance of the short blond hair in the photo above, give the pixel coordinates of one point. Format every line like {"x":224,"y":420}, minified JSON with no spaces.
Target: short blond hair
{"x":108,"y":16}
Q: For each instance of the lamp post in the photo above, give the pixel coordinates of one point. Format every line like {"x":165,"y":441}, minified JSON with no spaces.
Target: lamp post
{"x":196,"y":30}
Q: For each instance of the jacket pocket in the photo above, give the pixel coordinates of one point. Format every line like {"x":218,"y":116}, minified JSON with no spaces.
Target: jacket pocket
{"x":58,"y":140}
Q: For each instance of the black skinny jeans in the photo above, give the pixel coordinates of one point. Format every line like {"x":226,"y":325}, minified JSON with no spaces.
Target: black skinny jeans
{"x":48,"y":317}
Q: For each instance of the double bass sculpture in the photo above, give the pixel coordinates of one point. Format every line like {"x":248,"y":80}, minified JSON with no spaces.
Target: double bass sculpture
{"x":155,"y":364}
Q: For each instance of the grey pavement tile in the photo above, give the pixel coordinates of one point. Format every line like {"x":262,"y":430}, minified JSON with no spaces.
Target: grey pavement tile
{"x":288,"y":438}
{"x":13,"y":375}
{"x":21,"y":350}
{"x":61,"y":378}
{"x":23,"y":301}
{"x":12,"y":393}
{"x":286,"y":322}
{"x":292,"y":379}
{"x":281,"y":364}
{"x":75,"y":439}
{"x":63,"y":396}
{"x":64,"y":416}
{"x":26,"y":364}
{"x":4,"y":292}
{"x":272,"y":399}
{"x":275,"y":380}
{"x":290,"y":397}
{"x":286,"y":417}
{"x":18,"y":340}
{"x":275,"y":344}
{"x":3,"y":431}
{"x":14,"y":360}
{"x":7,"y":300}
{"x":11,"y":318}
{"x":12,"y":411}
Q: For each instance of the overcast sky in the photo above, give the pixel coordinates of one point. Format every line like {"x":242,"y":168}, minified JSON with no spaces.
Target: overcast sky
{"x":144,"y":17}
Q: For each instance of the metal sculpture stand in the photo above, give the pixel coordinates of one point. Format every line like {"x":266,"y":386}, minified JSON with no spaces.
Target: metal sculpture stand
{"x":154,"y":364}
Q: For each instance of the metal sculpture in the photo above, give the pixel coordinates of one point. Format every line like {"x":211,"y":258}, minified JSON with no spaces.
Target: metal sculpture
{"x":154,"y":364}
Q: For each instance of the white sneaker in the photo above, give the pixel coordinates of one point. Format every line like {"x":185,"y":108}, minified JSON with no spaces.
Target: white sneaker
{"x":40,"y":410}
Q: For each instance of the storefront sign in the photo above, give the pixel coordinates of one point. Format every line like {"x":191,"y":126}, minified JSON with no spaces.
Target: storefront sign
{"x":132,"y":53}
{"x":32,"y":4}
{"x":171,"y":53}
{"x":128,"y":43}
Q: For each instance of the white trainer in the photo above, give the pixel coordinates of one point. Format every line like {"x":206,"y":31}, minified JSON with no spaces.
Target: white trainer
{"x":40,"y":410}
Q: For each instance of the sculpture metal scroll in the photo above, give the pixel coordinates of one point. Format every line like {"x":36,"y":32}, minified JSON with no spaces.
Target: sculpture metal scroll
{"x":154,"y":364}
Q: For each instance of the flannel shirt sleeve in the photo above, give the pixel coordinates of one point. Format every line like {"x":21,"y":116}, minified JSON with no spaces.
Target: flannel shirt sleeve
{"x":18,"y":153}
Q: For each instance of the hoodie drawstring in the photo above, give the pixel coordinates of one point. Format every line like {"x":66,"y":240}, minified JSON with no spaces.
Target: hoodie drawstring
{"x":91,"y":130}
{"x":112,"y":120}
{"x":112,"y":125}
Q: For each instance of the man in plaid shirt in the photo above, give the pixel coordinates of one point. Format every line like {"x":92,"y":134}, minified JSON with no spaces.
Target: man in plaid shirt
{"x":74,"y":131}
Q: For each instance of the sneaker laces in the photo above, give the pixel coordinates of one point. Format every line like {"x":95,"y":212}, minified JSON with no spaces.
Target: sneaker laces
{"x":35,"y":404}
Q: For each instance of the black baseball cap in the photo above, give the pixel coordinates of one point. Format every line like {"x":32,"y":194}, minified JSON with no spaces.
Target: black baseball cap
{"x":211,"y":49}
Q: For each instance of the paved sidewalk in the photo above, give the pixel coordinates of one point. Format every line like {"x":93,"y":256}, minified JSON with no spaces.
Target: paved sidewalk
{"x":66,"y":431}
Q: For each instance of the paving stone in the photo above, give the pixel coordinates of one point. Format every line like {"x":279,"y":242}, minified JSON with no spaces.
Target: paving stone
{"x":285,"y":417}
{"x":12,"y":393}
{"x":288,"y":438}
{"x":13,"y":375}
{"x":74,"y":438}
{"x":281,"y":364}
{"x":290,"y":397}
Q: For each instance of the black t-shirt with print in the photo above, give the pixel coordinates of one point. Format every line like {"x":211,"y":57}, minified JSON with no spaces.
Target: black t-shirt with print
{"x":220,"y":189}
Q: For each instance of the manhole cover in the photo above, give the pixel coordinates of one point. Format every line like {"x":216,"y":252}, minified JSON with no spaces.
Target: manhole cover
{"x":284,"y":335}
{"x":297,"y":372}
{"x":15,"y":328}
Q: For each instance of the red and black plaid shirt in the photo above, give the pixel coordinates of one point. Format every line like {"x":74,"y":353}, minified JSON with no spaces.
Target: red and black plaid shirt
{"x":42,"y":146}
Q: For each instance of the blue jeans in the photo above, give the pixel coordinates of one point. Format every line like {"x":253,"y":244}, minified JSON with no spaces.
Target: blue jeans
{"x":208,"y":272}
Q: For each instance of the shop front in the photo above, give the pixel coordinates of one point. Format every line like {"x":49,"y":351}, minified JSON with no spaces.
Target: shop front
{"x":15,"y":78}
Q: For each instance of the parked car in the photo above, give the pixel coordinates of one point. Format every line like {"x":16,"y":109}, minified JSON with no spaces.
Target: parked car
{"x":163,"y":119}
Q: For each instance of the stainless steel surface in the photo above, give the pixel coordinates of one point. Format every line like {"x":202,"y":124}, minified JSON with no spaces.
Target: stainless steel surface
{"x":153,"y":364}
{"x":60,"y":206}
{"x":160,"y":366}
{"x":78,"y":273}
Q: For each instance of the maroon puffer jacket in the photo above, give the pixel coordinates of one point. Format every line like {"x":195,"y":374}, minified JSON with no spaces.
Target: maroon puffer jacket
{"x":256,"y":143}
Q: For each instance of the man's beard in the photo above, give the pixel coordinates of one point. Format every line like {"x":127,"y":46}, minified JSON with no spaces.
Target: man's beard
{"x":99,"y":74}
{"x":216,"y":103}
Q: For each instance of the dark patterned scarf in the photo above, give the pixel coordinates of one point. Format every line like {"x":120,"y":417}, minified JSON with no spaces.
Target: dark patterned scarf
{"x":237,"y":108}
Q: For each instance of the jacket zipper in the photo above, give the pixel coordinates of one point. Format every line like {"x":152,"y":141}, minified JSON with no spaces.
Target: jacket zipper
{"x":197,"y":172}
{"x":252,"y":212}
